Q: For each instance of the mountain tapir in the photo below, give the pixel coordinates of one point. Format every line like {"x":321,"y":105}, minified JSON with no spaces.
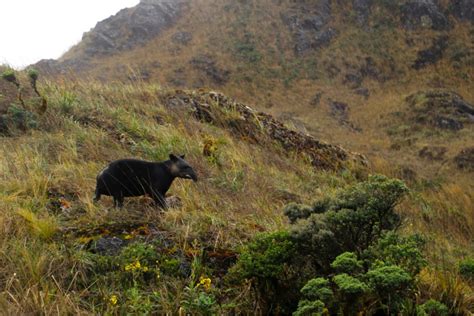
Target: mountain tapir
{"x":131,"y":177}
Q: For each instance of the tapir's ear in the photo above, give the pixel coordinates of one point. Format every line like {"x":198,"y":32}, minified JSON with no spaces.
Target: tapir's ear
{"x":173,"y":157}
{"x":182,"y":156}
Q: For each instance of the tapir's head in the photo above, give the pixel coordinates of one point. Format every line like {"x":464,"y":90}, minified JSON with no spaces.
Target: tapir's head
{"x":181,"y":169}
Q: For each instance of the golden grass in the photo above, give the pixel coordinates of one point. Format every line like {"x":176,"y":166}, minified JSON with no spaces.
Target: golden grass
{"x":90,"y":124}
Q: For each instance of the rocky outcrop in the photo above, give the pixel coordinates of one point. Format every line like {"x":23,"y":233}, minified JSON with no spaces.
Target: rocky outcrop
{"x":465,"y":159}
{"x":423,"y":13}
{"x":254,"y":126}
{"x":309,"y":23}
{"x":340,"y":111}
{"x":463,"y":9}
{"x":132,"y":27}
{"x":123,"y":31}
{"x":440,"y":109}
{"x":432,"y":54}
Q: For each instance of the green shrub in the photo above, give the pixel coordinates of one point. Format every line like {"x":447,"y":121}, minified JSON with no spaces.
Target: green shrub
{"x":10,"y":76}
{"x":405,"y":252}
{"x":346,"y":234}
{"x":347,"y":263}
{"x":266,"y":256}
{"x":466,"y":269}
{"x":432,"y":308}
{"x":21,"y":118}
{"x":350,"y":286}
{"x":351,"y":222}
{"x":265,"y":261}
{"x":391,"y":284}
{"x":350,"y":292}
{"x":310,"y":308}
{"x":318,"y":289}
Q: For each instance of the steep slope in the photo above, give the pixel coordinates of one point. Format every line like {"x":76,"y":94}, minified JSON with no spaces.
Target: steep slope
{"x":62,"y":253}
{"x":338,"y":70}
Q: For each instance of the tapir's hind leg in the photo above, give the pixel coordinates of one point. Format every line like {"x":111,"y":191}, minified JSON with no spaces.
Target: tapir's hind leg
{"x":97,"y":195}
{"x":118,"y":201}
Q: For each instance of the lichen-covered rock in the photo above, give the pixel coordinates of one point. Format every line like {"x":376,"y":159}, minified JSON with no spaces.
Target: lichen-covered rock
{"x":423,"y":13}
{"x":465,"y":159}
{"x":254,"y":126}
{"x":440,"y":109}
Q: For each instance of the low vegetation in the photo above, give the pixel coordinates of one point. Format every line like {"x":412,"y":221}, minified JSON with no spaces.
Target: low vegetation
{"x":235,"y":243}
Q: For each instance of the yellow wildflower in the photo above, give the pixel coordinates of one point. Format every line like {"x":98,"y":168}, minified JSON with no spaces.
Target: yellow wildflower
{"x":113,"y":300}
{"x":133,"y":266}
{"x":205,"y":282}
{"x":127,"y":237}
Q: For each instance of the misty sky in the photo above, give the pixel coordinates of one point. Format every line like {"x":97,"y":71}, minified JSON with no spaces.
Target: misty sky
{"x":31,"y":30}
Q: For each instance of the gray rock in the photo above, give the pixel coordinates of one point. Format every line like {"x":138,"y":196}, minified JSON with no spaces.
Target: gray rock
{"x":463,"y":9}
{"x":132,"y":26}
{"x":432,"y":54}
{"x":362,"y":9}
{"x":423,"y":13}
{"x":109,"y":245}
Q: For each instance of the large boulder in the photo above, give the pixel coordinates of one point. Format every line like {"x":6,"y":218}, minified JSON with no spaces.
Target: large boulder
{"x":423,"y":13}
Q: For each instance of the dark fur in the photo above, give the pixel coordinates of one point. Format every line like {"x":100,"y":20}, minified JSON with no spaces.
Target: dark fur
{"x":132,"y":177}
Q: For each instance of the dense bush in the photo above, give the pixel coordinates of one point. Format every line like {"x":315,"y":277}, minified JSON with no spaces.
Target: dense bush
{"x":352,"y":221}
{"x":341,"y":253}
{"x":432,"y":308}
{"x":266,"y":261}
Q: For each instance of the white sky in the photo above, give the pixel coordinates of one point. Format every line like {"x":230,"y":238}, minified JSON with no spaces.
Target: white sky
{"x":31,"y":30}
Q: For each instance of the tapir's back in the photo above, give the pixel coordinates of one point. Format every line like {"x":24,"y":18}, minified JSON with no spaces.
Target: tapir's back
{"x":127,"y":177}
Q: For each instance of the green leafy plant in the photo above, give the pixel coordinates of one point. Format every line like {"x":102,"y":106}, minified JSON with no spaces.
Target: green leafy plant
{"x":432,"y":308}
{"x":466,"y":269}
{"x":351,"y":222}
{"x":390,"y":284}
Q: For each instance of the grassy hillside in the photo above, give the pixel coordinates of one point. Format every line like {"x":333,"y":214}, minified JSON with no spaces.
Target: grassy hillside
{"x":55,"y":242}
{"x":246,"y":49}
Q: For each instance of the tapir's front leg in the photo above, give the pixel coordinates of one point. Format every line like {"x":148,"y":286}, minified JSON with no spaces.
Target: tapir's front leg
{"x":160,"y":200}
